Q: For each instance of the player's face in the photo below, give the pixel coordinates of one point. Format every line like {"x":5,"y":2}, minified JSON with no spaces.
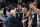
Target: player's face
{"x":32,"y":6}
{"x":25,"y":9}
{"x":19,"y":6}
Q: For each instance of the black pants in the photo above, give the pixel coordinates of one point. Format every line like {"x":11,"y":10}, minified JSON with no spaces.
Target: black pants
{"x":20,"y":25}
{"x":34,"y":24}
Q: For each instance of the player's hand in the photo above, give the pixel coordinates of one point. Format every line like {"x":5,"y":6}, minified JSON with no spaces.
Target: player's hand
{"x":23,"y":21}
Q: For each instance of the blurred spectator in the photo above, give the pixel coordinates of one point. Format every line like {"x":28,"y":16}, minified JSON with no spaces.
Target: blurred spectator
{"x":38,"y":4}
{"x":0,"y":2}
{"x":3,"y":19}
{"x":19,"y":1}
{"x":3,"y":4}
{"x":30,"y":4}
{"x":4,"y":11}
{"x":23,"y":4}
{"x":15,"y":3}
{"x":13,"y":7}
{"x":35,"y":0}
{"x":1,"y":23}
{"x":7,"y":13}
{"x":0,"y":7}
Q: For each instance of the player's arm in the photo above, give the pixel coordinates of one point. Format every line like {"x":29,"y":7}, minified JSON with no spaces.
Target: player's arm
{"x":38,"y":12}
{"x":30,"y":18}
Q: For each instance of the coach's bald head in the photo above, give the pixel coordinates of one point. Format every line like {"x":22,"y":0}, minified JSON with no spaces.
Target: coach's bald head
{"x":12,"y":12}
